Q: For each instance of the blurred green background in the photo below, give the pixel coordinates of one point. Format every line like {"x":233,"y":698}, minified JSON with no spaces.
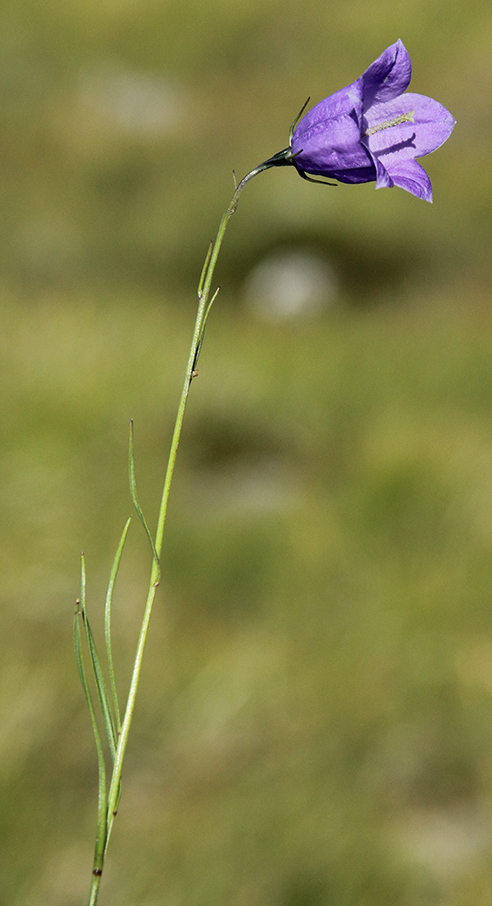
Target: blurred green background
{"x":314,"y":725}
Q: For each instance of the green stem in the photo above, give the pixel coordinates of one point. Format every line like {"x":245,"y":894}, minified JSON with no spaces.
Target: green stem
{"x":281,"y":159}
{"x":94,"y":891}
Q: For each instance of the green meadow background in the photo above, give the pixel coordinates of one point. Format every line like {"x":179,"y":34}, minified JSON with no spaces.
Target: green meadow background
{"x":314,"y":726}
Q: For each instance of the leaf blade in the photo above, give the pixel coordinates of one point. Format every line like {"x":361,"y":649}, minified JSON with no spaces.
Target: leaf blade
{"x":107,"y":623}
{"x":133,"y":492}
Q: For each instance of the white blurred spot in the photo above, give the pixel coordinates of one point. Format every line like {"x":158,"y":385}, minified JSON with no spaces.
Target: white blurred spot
{"x":258,"y":486}
{"x":290,"y":284}
{"x":135,"y":102}
{"x":449,"y":840}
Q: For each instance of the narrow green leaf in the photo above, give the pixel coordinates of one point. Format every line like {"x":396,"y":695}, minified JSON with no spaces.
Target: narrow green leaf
{"x":107,"y":623}
{"x":102,"y":816}
{"x":202,"y":331}
{"x":112,"y":815}
{"x":133,"y":491}
{"x":209,"y":306}
{"x":102,"y":692}
{"x":204,"y":270}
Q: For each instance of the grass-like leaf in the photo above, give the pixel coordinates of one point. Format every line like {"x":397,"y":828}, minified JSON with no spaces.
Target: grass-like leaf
{"x":102,"y":692}
{"x":133,"y":491}
{"x":202,"y":331}
{"x":205,"y":270}
{"x":107,"y":622}
{"x":102,"y":815}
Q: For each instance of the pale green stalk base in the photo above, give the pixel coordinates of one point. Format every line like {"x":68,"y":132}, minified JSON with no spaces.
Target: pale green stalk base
{"x":94,"y":892}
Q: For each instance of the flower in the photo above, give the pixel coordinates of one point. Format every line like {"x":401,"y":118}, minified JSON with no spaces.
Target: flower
{"x":372,"y":130}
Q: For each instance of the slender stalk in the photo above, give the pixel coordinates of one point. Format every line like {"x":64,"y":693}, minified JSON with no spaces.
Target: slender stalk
{"x":204,"y":305}
{"x":94,"y":891}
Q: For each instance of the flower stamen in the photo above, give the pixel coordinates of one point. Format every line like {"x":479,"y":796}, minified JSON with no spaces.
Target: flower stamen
{"x":403,"y":118}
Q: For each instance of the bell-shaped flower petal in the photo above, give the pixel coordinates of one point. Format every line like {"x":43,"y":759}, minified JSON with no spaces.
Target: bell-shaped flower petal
{"x":409,"y":175}
{"x":328,"y":138}
{"x":428,"y":126}
{"x":389,"y":75}
{"x":372,"y":129}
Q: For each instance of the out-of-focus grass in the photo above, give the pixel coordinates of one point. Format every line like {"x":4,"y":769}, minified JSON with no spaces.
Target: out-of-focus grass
{"x":315,"y":719}
{"x":314,"y":722}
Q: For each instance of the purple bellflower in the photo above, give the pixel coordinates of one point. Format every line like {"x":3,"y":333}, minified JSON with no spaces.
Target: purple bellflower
{"x":372,"y":130}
